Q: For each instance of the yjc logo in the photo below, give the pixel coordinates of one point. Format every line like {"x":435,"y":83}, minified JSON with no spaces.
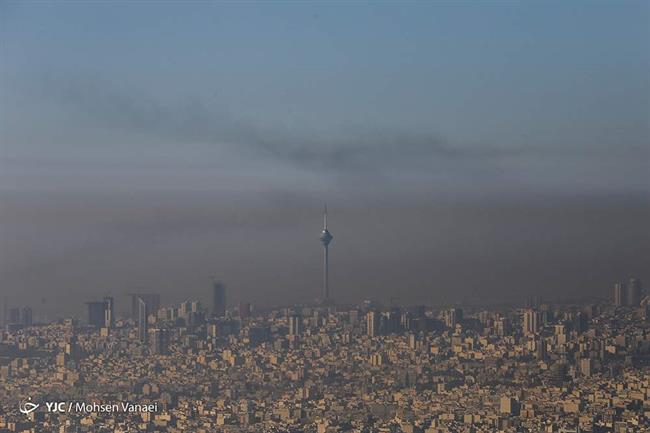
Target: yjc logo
{"x":27,"y":407}
{"x":55,"y":406}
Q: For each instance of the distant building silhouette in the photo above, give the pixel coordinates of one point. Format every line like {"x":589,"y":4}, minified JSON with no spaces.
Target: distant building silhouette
{"x":159,"y":341}
{"x":295,"y":324}
{"x":534,"y":301}
{"x":14,"y":316}
{"x":620,"y":298}
{"x":391,"y":321}
{"x":5,"y":305}
{"x":143,"y":313}
{"x":26,"y":317}
{"x":531,"y":321}
{"x":109,"y":312}
{"x":101,"y":314}
{"x":219,"y":299}
{"x":151,"y":299}
{"x":453,"y":316}
{"x":95,"y":313}
{"x":634,"y":292}
{"x":245,"y":309}
{"x":502,"y":326}
{"x":372,"y":323}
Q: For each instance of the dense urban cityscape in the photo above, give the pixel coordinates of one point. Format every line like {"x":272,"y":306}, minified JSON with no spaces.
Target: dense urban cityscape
{"x":167,"y":264}
{"x":332,"y":368}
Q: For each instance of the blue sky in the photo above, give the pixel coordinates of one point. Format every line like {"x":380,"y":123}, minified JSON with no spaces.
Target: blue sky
{"x":567,"y":79}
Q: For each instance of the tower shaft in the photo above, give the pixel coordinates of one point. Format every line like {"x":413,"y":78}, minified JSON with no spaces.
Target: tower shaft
{"x":325,"y":238}
{"x":326,"y":286}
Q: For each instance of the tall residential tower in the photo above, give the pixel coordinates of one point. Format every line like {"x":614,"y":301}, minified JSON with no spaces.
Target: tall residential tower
{"x":218,"y":298}
{"x":143,"y":313}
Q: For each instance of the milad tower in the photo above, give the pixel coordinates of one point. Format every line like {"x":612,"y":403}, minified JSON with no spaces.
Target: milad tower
{"x":325,"y":238}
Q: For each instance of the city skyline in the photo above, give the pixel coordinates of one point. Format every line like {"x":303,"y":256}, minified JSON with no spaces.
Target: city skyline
{"x":344,"y":369}
{"x":169,"y":262}
{"x":102,"y":314}
{"x":319,"y":295}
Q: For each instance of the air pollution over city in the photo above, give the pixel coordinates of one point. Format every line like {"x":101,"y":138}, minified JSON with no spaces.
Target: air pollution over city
{"x":206,"y":177}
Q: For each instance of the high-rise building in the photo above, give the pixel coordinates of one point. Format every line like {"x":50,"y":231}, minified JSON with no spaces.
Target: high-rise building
{"x":95,"y":313}
{"x":372,"y":323}
{"x":5,"y":305}
{"x":218,"y":299}
{"x":184,"y":310}
{"x":14,"y":316}
{"x":159,"y":341}
{"x":191,"y":312}
{"x":151,"y":299}
{"x":413,"y":341}
{"x":586,"y":367}
{"x":453,"y":316}
{"x":531,"y":321}
{"x":109,"y":312}
{"x":143,"y":313}
{"x":533,"y":301}
{"x":72,"y":346}
{"x":540,"y":349}
{"x":325,"y":238}
{"x":245,"y":309}
{"x":620,"y":298}
{"x":392,"y":321}
{"x":295,"y":324}
{"x":502,"y":327}
{"x":634,"y":292}
{"x":580,"y":323}
{"x":26,"y":316}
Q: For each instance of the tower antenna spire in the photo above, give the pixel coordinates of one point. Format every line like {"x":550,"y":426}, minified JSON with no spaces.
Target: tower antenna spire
{"x":325,"y":217}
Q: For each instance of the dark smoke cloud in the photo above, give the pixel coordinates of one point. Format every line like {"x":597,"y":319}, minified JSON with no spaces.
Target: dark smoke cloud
{"x":196,"y":121}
